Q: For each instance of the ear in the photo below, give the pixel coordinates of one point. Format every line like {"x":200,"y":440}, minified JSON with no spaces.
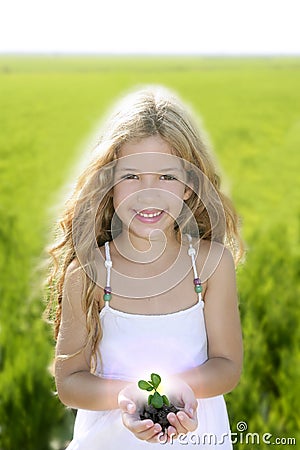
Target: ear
{"x":189,"y":186}
{"x":187,"y":193}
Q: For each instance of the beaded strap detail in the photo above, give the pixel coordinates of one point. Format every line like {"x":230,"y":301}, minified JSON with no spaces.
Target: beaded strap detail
{"x":108,"y":264}
{"x":197,"y":281}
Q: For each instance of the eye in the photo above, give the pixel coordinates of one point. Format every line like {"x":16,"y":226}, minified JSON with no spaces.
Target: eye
{"x":129,"y":176}
{"x":167,"y":177}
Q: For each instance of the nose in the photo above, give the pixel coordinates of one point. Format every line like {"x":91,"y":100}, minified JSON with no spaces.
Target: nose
{"x":148,"y":180}
{"x":148,"y":192}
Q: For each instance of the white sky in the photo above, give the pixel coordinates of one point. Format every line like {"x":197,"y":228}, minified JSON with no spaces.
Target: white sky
{"x":152,"y":26}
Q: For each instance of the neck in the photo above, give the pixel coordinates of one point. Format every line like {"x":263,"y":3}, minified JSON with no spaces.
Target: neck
{"x":146,"y":249}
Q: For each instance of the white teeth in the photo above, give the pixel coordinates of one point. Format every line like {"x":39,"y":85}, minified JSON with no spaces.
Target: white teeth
{"x":149,"y":215}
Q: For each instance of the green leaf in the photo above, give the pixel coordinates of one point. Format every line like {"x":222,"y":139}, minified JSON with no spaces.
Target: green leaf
{"x":155,"y":380}
{"x":150,"y":399}
{"x":157,"y":400}
{"x":142,"y":384}
{"x":166,"y":400}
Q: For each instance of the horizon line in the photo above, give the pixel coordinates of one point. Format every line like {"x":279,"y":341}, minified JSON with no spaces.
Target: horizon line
{"x":156,"y":54}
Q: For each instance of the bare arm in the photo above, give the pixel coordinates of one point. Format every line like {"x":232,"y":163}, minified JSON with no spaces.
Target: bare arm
{"x":76,"y":386}
{"x":221,"y":372}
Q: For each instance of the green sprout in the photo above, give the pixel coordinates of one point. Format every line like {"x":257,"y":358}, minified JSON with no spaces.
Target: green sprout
{"x":154,"y":399}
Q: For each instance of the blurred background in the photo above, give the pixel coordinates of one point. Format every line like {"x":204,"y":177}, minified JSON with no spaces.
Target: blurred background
{"x":237,"y":64}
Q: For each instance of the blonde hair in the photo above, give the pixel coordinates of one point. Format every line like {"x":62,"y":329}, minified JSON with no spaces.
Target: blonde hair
{"x":147,"y":112}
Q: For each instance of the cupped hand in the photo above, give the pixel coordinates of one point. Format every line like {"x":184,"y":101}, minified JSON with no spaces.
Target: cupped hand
{"x":182,"y":396}
{"x":131,"y":401}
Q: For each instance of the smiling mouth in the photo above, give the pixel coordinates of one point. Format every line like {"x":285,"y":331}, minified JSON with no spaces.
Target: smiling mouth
{"x":149,"y":214}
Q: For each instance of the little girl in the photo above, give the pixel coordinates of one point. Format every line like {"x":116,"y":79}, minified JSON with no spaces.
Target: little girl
{"x":145,"y":282}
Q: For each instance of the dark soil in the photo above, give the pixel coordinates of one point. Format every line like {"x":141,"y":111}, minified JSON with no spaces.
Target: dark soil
{"x":158,"y":415}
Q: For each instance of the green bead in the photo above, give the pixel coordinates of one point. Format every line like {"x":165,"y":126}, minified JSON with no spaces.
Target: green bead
{"x":198,"y":288}
{"x":107,"y":297}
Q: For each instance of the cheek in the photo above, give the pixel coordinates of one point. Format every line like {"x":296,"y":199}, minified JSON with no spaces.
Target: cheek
{"x":118,"y":196}
{"x":122,"y":195}
{"x":177,"y":194}
{"x":175,"y":200}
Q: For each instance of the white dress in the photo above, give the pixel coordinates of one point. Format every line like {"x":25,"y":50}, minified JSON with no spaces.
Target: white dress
{"x":132,"y":347}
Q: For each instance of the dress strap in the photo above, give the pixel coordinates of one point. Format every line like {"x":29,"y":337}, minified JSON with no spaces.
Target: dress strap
{"x":108,"y":266}
{"x":197,"y":281}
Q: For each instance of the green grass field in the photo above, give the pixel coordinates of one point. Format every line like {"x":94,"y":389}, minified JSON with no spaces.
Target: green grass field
{"x":250,"y":109}
{"x":49,"y":109}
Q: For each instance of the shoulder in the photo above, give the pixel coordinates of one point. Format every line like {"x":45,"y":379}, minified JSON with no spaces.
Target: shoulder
{"x":73,"y":290}
{"x":223,"y":258}
{"x":214,"y":258}
{"x":74,"y":276}
{"x":75,"y":284}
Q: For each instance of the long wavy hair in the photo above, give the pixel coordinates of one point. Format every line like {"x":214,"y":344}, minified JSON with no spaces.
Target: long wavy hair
{"x":89,"y":211}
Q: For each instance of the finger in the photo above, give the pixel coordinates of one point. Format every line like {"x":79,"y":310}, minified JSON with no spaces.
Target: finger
{"x":172,"y":433}
{"x":191,"y":408}
{"x":152,"y":435}
{"x":189,"y":401}
{"x":149,"y":433}
{"x":126,"y":405}
{"x":176,"y":426}
{"x":186,"y":422}
{"x":134,"y":424}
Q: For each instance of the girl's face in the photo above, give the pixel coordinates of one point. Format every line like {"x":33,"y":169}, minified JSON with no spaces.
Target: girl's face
{"x":149,"y":187}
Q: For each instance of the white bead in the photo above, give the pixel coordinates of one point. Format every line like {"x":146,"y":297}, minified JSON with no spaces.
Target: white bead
{"x":191,"y":251}
{"x":108,"y":264}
